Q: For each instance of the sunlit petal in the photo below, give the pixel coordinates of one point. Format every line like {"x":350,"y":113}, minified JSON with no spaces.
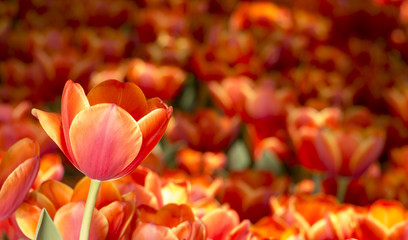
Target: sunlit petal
{"x":112,"y":141}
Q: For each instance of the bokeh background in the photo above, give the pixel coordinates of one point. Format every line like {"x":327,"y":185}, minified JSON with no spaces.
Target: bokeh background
{"x":273,"y":100}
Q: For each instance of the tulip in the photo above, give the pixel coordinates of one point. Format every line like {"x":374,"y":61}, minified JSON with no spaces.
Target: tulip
{"x":397,"y":98}
{"x":196,"y":162}
{"x":162,"y":81}
{"x":65,"y":204}
{"x":265,"y":14}
{"x":230,"y":94}
{"x":18,"y":170}
{"x":172,"y":221}
{"x":204,"y":131}
{"x":384,"y":220}
{"x":105,"y":135}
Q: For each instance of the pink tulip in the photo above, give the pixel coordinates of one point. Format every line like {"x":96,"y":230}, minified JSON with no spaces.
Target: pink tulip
{"x":108,"y":133}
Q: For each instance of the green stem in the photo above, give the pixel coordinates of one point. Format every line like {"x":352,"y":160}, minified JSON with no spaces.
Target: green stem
{"x":317,"y":179}
{"x":342,"y":184}
{"x":89,"y":207}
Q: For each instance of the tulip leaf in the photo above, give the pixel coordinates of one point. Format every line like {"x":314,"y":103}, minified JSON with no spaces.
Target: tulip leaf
{"x":5,"y":237}
{"x":269,"y":161}
{"x":187,"y":98}
{"x":46,"y":228}
{"x":238,"y":156}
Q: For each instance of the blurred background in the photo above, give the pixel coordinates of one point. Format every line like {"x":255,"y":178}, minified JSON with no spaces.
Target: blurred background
{"x":285,"y":95}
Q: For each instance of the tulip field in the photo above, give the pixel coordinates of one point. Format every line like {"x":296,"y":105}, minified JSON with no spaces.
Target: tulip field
{"x":204,"y":119}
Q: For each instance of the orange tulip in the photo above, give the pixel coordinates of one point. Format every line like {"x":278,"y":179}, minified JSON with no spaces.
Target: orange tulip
{"x":51,"y":168}
{"x":230,"y":94}
{"x":384,"y":220}
{"x":18,"y":170}
{"x":196,"y":162}
{"x":397,"y":98}
{"x":322,"y":145}
{"x":227,"y":53}
{"x":111,"y":217}
{"x":248,"y":192}
{"x":264,"y":14}
{"x":108,"y":133}
{"x":171,"y":222}
{"x":303,"y":127}
{"x":206,"y":130}
{"x":16,"y":123}
{"x":220,"y":222}
{"x":162,"y":81}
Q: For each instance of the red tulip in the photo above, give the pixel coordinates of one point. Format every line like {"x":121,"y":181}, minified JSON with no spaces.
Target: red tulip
{"x":108,"y":133}
{"x":18,"y":170}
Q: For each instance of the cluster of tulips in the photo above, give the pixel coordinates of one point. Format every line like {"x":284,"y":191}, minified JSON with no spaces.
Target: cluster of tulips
{"x":204,"y":120}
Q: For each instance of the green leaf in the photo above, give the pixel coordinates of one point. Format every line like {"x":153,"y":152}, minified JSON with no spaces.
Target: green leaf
{"x":269,"y":161}
{"x":238,"y":156}
{"x":5,"y":237}
{"x":187,"y":98}
{"x":46,"y":228}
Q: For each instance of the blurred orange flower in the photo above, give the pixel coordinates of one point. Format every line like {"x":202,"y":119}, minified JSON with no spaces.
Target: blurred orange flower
{"x":204,"y":131}
{"x":339,"y":150}
{"x":248,"y":192}
{"x":164,"y":81}
{"x":195,"y":162}
{"x":384,"y":220}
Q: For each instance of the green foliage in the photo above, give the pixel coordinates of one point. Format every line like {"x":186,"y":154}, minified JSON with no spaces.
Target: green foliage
{"x":238,"y":156}
{"x":46,"y":228}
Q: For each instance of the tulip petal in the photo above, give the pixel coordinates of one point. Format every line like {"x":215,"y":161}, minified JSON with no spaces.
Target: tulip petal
{"x":73,"y":101}
{"x":322,"y":230}
{"x":126,"y":95}
{"x":172,"y":215}
{"x":38,"y":199}
{"x":27,"y":216}
{"x":191,"y":230}
{"x":176,"y":192}
{"x":152,"y":126}
{"x":149,"y":231}
{"x":220,"y":222}
{"x":399,"y":231}
{"x":107,"y":193}
{"x":119,"y":216}
{"x":328,"y":151}
{"x":52,"y":125}
{"x":17,"y":185}
{"x":155,"y":103}
{"x":153,"y":184}
{"x":68,"y":220}
{"x":143,"y":195}
{"x":240,"y":231}
{"x":57,"y":192}
{"x":51,"y":168}
{"x":16,"y":155}
{"x":367,"y":153}
{"x":105,"y":140}
{"x":370,"y":228}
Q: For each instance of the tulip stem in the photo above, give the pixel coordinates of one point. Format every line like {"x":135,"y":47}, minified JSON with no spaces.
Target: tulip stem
{"x":342,"y":184}
{"x":317,"y":180}
{"x":89,"y":207}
